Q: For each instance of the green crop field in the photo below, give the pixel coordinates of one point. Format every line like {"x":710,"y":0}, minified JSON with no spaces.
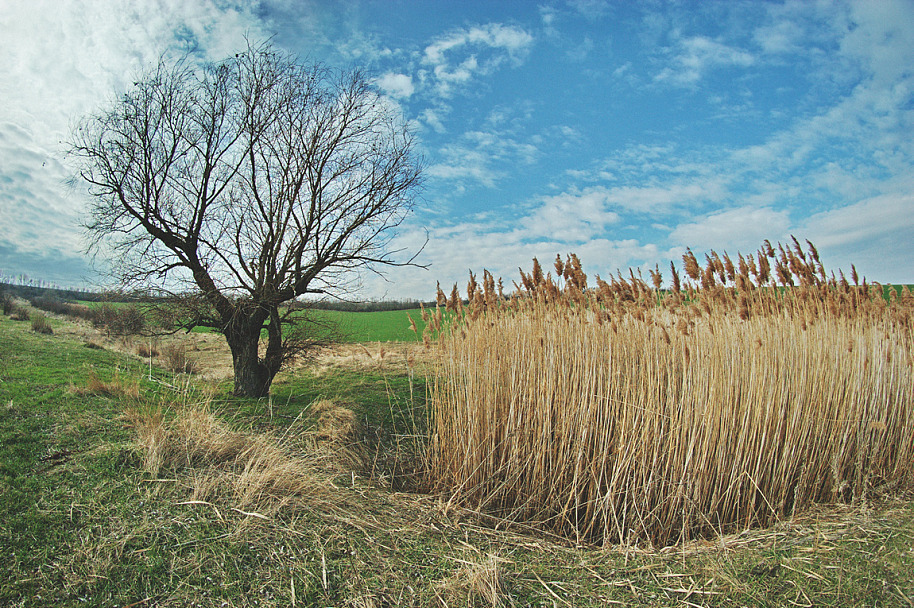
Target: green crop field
{"x":125,"y":485}
{"x":382,"y":326}
{"x":343,"y":326}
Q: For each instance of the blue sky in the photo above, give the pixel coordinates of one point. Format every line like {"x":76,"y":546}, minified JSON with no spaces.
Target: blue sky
{"x":622,"y":131}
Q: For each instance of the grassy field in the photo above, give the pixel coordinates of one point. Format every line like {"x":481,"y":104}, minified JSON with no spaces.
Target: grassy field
{"x":341,"y":326}
{"x":121,"y":488}
{"x":382,"y":326}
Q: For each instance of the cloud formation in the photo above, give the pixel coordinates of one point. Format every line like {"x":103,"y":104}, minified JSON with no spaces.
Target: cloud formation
{"x":60,"y":61}
{"x":398,"y":86}
{"x":458,"y":57}
{"x":621,"y":131}
{"x":695,"y":56}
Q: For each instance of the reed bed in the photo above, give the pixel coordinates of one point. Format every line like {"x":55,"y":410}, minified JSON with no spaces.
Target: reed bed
{"x":623,"y":413}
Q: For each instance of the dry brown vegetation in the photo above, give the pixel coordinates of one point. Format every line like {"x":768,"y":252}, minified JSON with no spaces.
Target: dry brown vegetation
{"x":118,"y":386}
{"x":176,"y":359}
{"x":257,"y":473}
{"x":749,"y":391}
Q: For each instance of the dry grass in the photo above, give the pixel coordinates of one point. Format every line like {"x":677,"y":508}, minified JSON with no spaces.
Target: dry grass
{"x":477,"y":581}
{"x":625,"y":414}
{"x":118,"y":386}
{"x":335,"y":422}
{"x":255,"y":472}
{"x":176,"y":359}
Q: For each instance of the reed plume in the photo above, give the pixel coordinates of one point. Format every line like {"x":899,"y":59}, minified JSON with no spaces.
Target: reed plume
{"x":622,"y":414}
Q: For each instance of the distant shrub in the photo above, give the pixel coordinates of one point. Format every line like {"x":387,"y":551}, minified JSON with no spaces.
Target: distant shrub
{"x":19,"y":313}
{"x":177,"y":360}
{"x":130,"y":320}
{"x":118,"y":320}
{"x":53,"y":305}
{"x":80,"y":311}
{"x":41,"y":324}
{"x":147,"y":350}
{"x":6,"y":302}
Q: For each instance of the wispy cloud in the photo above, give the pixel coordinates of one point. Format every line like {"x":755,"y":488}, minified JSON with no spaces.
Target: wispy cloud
{"x":456,"y":58}
{"x":742,"y":228}
{"x":590,"y":9}
{"x":59,"y":61}
{"x":695,"y":56}
{"x":483,"y":156}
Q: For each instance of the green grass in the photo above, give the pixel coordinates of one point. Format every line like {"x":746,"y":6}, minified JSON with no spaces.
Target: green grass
{"x":382,"y":326}
{"x":82,"y":525}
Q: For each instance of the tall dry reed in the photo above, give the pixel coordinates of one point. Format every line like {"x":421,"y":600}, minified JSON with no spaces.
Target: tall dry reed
{"x":623,"y":413}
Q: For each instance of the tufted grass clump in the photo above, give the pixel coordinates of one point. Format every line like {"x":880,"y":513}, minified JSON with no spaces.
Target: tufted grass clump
{"x":41,"y":325}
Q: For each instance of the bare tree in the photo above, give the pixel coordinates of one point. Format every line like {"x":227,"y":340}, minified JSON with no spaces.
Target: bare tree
{"x":247,"y":183}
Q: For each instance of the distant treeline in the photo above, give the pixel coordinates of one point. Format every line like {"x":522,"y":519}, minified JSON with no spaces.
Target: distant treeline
{"x":374,"y":306}
{"x":30,"y":292}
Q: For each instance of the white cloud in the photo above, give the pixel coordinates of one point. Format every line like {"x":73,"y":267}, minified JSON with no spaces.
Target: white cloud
{"x":570,"y":217}
{"x":484,"y":156}
{"x":882,"y":39}
{"x":870,"y":219}
{"x":696,"y":56}
{"x":874,"y":234}
{"x":667,"y":197}
{"x":741,"y":229}
{"x":781,"y":37}
{"x":434,"y":118}
{"x":62,"y":60}
{"x":463,"y":54}
{"x":464,"y":165}
{"x":398,"y":86}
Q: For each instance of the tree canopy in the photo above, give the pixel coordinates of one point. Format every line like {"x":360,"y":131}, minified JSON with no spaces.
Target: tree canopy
{"x":248,"y":183}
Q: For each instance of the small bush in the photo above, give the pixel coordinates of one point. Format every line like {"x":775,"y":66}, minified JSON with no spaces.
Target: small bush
{"x":19,"y":313}
{"x":177,"y":360}
{"x":147,"y":350}
{"x":6,"y":302}
{"x":124,"y":320}
{"x":41,"y":324}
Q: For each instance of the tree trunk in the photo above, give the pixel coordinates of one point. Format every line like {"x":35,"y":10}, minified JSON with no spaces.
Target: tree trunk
{"x":253,"y":375}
